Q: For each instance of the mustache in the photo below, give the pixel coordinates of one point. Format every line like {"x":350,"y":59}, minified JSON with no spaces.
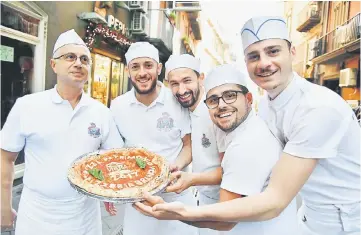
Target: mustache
{"x":265,"y":70}
{"x":185,"y":93}
{"x":144,"y":76}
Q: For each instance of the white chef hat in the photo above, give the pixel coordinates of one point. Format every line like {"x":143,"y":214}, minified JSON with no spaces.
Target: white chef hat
{"x":141,"y":49}
{"x":68,"y":37}
{"x":265,"y":27}
{"x":182,"y":61}
{"x":224,"y":74}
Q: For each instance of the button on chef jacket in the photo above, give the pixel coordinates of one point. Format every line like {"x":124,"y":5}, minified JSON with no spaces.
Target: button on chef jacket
{"x":54,"y":134}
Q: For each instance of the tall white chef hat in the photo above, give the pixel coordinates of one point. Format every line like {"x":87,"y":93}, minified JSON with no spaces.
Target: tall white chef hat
{"x":265,"y":27}
{"x":142,"y":49}
{"x":182,"y":61}
{"x":66,"y":38}
{"x":224,"y":74}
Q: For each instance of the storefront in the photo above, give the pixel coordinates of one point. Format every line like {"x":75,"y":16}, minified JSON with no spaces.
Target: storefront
{"x":107,"y":38}
{"x":23,"y":46}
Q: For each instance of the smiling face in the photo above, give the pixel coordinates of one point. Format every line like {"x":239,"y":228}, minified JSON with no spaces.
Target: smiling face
{"x":229,"y":116}
{"x":143,"y":74}
{"x":269,"y":63}
{"x":185,"y":86}
{"x":68,"y":70}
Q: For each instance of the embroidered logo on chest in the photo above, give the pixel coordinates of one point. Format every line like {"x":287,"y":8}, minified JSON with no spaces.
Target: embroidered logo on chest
{"x":165,"y":123}
{"x":205,"y":141}
{"x":93,"y":130}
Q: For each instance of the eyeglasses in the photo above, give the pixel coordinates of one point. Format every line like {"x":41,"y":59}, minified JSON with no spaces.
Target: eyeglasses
{"x":71,"y":57}
{"x":228,"y":97}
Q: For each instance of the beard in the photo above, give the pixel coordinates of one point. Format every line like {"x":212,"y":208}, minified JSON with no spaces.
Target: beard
{"x":194,"y":95}
{"x":237,"y":122}
{"x":144,"y":92}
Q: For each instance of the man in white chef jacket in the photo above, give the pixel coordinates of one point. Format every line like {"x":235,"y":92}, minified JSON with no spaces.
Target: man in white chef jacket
{"x":246,"y":169}
{"x":149,"y":116}
{"x":186,"y":83}
{"x":320,"y":137}
{"x":55,"y":127}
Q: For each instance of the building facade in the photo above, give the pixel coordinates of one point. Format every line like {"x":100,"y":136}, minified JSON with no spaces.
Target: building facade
{"x":327,"y":40}
{"x":29,"y":31}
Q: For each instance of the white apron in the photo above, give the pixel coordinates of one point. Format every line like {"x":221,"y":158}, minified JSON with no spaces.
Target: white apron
{"x":43,"y":216}
{"x":330,"y":220}
{"x":204,"y":200}
{"x":136,"y":223}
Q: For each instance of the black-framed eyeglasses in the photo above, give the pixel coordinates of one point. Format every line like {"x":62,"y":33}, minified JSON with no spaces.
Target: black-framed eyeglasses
{"x":71,"y":57}
{"x":228,"y":97}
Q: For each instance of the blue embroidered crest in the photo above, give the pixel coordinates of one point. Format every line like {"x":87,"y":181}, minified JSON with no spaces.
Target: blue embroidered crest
{"x":165,"y":123}
{"x":205,"y":141}
{"x":93,"y":130}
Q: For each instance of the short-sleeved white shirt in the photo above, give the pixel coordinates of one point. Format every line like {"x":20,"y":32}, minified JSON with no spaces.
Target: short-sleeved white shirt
{"x":158,"y":127}
{"x":247,"y":165}
{"x":205,"y":155}
{"x":312,"y":121}
{"x":54,"y":134}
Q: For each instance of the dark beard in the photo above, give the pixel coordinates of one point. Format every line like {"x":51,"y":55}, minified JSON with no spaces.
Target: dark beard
{"x":237,"y":122}
{"x":142,"y":92}
{"x":194,"y":99}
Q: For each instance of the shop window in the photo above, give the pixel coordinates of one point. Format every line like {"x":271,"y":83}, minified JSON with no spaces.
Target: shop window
{"x":17,"y":20}
{"x":108,"y":79}
{"x":17,"y":63}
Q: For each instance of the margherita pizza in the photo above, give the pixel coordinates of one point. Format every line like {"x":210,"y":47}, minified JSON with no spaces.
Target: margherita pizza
{"x":120,"y":173}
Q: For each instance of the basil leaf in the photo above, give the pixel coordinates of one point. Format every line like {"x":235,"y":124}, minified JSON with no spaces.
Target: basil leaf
{"x":140,"y":162}
{"x":96,"y":173}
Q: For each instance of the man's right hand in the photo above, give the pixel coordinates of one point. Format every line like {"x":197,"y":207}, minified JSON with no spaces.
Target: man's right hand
{"x":7,"y":219}
{"x":184,"y":180}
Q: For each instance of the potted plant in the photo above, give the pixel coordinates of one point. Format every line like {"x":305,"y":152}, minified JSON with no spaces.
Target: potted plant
{"x":185,"y":40}
{"x":172,"y":17}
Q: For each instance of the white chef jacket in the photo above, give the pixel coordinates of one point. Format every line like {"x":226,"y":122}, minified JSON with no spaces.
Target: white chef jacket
{"x":54,"y":134}
{"x":205,"y":155}
{"x":312,"y":121}
{"x":204,"y":147}
{"x":247,"y":165}
{"x":159,"y":128}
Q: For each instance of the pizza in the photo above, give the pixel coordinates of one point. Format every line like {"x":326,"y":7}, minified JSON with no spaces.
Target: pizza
{"x":120,"y":173}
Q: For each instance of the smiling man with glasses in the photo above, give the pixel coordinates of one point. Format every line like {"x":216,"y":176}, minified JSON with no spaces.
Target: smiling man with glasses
{"x":55,"y":127}
{"x":251,"y":152}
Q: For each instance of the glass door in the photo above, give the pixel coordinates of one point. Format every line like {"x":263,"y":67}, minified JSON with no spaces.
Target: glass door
{"x":101,"y":78}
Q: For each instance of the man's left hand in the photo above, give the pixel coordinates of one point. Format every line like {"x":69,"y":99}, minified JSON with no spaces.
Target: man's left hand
{"x":156,"y":207}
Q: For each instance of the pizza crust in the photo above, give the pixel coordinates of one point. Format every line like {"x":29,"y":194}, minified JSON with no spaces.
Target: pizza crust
{"x":100,"y":188}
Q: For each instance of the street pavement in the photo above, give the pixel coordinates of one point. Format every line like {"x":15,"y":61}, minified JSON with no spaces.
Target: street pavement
{"x":112,"y":225}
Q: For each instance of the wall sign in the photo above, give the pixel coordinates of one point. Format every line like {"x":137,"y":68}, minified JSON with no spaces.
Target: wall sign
{"x":113,"y":22}
{"x":6,"y":53}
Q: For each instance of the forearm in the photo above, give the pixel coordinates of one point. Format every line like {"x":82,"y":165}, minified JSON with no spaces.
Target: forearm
{"x":253,"y":208}
{"x":213,"y":177}
{"x":184,"y":157}
{"x":215,"y":225}
{"x":7,"y":177}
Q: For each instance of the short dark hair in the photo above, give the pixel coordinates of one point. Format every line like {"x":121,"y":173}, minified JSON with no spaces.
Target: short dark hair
{"x":198,"y":74}
{"x":243,"y":88}
{"x":289,"y":44}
